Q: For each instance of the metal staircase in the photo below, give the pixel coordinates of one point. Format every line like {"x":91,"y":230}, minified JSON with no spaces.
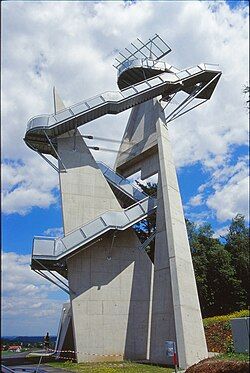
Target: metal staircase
{"x":121,"y":183}
{"x":55,"y":249}
{"x":41,"y":128}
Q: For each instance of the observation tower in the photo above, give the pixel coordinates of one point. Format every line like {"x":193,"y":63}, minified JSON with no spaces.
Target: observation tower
{"x":121,"y":305}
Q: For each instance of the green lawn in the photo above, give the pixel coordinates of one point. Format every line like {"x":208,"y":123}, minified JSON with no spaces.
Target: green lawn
{"x":6,"y":353}
{"x":233,"y":356}
{"x":116,"y":367}
{"x":9,"y":353}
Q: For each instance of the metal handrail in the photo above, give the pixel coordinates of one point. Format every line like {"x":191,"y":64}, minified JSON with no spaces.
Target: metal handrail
{"x":124,"y":179}
{"x":128,"y":97}
{"x":103,"y":230}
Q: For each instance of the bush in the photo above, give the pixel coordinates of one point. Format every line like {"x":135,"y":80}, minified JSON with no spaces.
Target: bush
{"x":225,"y":318}
{"x":218,"y":331}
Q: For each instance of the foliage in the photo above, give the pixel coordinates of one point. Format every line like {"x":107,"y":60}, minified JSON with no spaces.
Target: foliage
{"x":219,"y":337}
{"x":220,"y":267}
{"x":225,"y":318}
{"x":237,"y":244}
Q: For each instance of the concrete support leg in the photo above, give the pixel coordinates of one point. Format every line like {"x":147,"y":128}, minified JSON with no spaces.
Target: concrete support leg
{"x":111,"y":308}
{"x":174,"y":272}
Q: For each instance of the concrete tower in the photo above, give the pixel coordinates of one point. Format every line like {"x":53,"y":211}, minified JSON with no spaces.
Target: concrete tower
{"x":121,"y":305}
{"x":176,"y":312}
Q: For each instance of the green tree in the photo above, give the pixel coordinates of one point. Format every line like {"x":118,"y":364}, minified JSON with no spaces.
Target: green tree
{"x":237,"y":244}
{"x":221,"y":269}
{"x":217,"y":282}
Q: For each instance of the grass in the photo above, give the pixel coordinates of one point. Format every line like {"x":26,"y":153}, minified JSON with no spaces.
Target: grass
{"x":233,"y":356}
{"x":7,"y":353}
{"x":111,"y":367}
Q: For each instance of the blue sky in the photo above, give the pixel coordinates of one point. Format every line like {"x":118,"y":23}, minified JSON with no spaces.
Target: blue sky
{"x":71,"y":45}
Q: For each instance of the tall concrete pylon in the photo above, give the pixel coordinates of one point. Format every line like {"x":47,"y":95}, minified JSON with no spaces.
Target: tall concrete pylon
{"x":111,"y":280}
{"x":176,"y":314}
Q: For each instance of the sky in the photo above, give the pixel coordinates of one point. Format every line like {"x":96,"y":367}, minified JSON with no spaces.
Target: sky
{"x":72,"y":45}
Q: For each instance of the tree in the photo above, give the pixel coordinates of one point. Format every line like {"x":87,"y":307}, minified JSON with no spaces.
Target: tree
{"x":217,"y":282}
{"x":221,"y":269}
{"x":237,"y":244}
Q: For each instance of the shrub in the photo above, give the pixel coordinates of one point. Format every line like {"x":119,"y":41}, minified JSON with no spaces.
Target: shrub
{"x":225,"y":318}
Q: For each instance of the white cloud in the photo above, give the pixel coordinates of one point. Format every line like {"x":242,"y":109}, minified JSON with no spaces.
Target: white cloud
{"x":196,"y":200}
{"x":26,"y":297}
{"x":231,"y":199}
{"x":198,"y":217}
{"x":27,"y":185}
{"x":221,"y":232}
{"x":71,"y":45}
{"x":54,"y":232}
{"x":230,"y":185}
{"x":225,"y":193}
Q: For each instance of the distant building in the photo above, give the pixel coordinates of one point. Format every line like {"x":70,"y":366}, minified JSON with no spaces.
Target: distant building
{"x":15,"y":348}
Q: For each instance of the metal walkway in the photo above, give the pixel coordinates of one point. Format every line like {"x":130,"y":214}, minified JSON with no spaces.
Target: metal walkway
{"x":121,"y":183}
{"x":40,"y":129}
{"x":55,"y":249}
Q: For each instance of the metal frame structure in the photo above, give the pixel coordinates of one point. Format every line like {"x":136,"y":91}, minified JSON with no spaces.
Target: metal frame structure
{"x":140,"y":51}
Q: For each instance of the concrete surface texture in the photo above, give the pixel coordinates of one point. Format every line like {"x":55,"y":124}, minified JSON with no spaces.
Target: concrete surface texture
{"x":85,"y":193}
{"x":240,"y":329}
{"x":138,"y":150}
{"x":122,"y":305}
{"x":176,"y":311}
{"x":111,"y":307}
{"x":175,"y":307}
{"x":111,"y":303}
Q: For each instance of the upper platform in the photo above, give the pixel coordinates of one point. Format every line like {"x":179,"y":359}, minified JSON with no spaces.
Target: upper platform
{"x":134,"y":71}
{"x":142,"y":60}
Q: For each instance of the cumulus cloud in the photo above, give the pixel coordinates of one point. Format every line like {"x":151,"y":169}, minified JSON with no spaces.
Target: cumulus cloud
{"x":73,"y":44}
{"x":27,"y":297}
{"x":230,"y":185}
{"x":196,"y":200}
{"x":28,"y":185}
{"x":231,"y":199}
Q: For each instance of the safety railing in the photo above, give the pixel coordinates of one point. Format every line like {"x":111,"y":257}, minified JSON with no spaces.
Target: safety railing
{"x":56,"y":248}
{"x":121,"y":182}
{"x":146,"y":63}
{"x":99,"y":101}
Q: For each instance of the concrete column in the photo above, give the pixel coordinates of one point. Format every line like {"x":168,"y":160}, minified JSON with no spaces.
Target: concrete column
{"x":111,"y":307}
{"x":174,"y":271}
